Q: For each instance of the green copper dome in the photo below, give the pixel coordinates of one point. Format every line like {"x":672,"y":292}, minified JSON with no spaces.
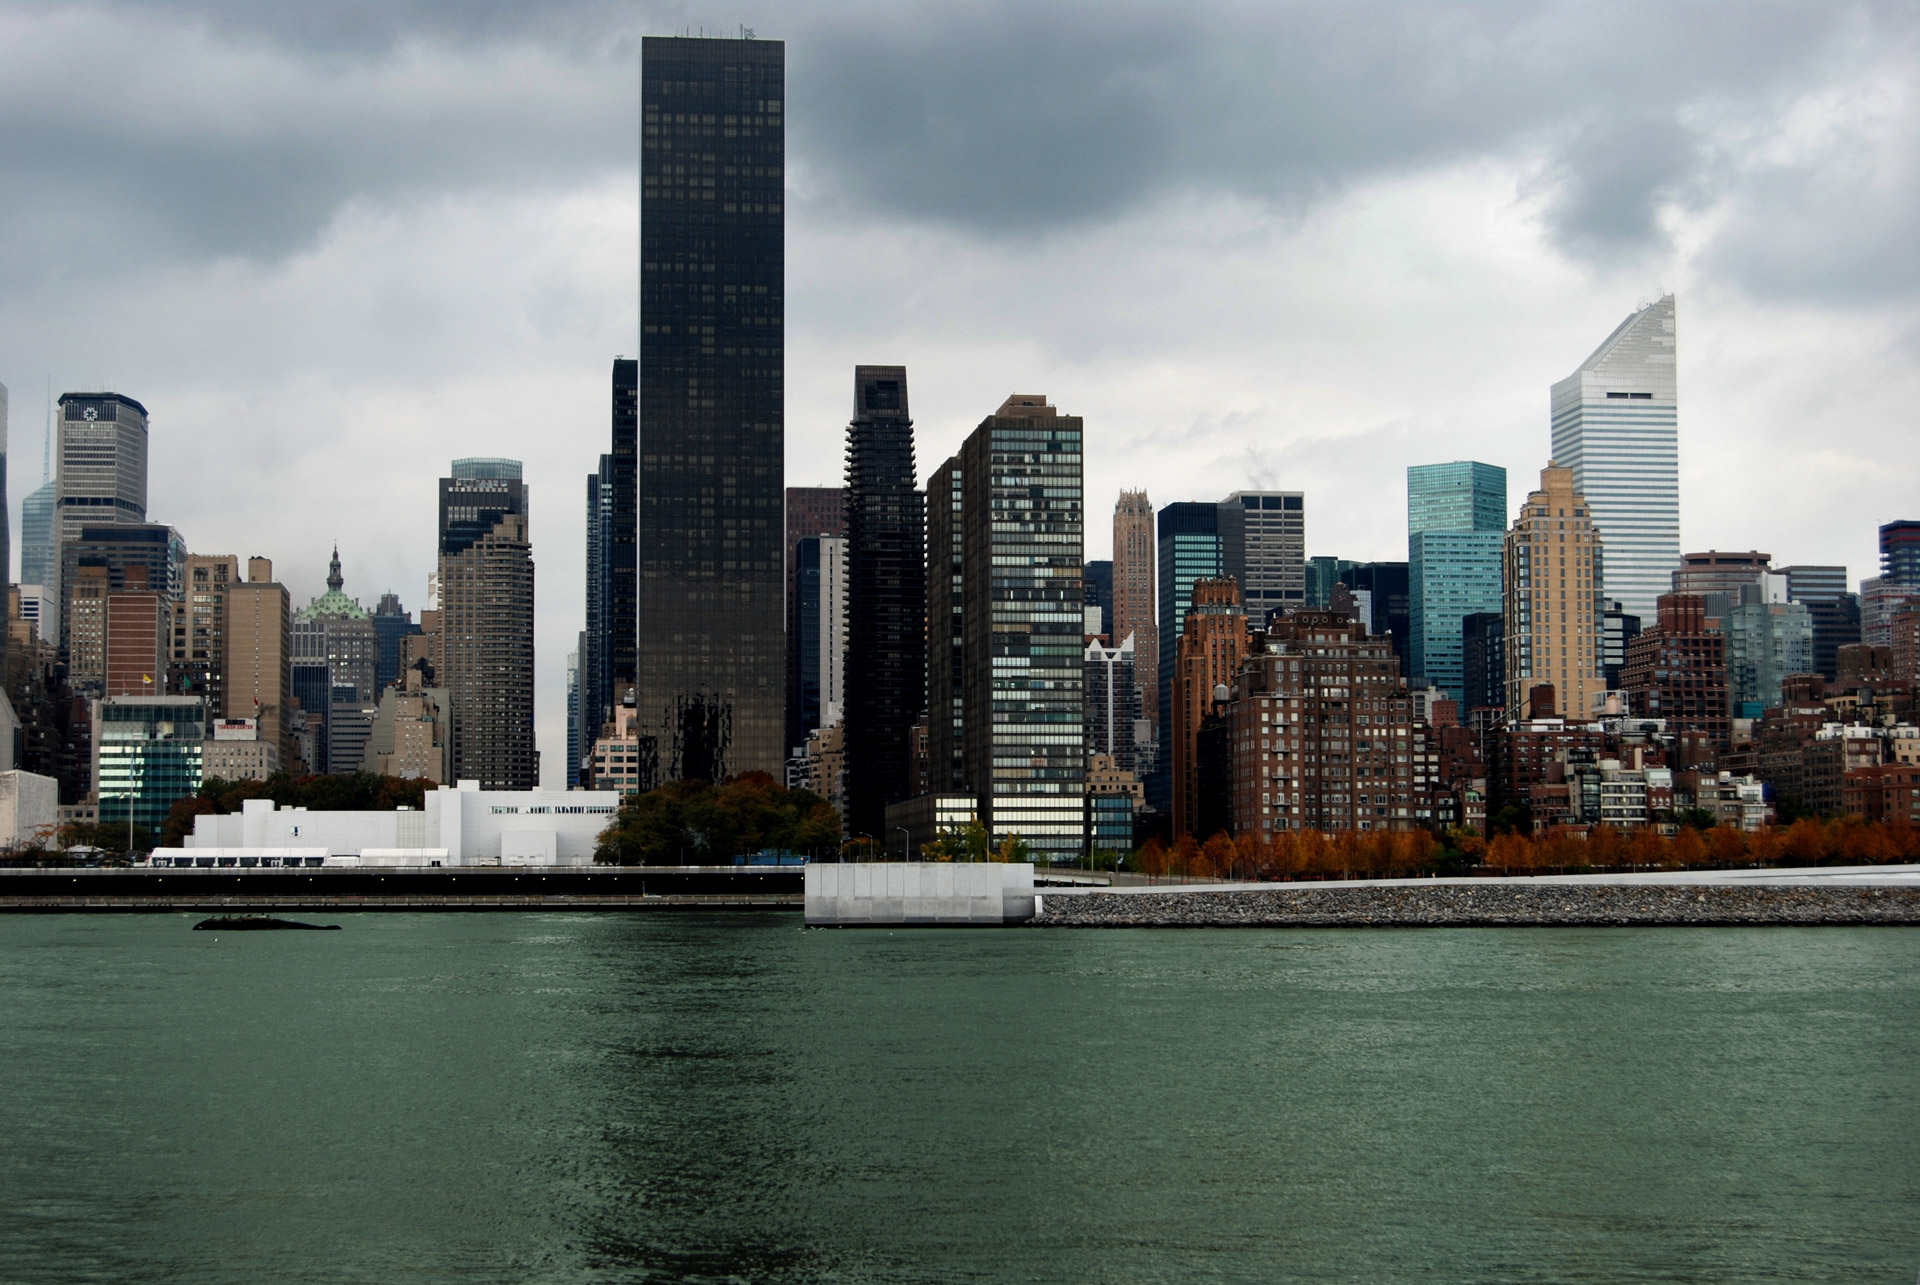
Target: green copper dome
{"x":333,"y":602}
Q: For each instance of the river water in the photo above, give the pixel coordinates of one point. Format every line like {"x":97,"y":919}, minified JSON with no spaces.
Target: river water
{"x":662,"y":1096}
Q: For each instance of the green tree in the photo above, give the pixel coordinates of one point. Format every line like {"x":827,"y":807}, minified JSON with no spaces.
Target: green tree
{"x":698,"y":823}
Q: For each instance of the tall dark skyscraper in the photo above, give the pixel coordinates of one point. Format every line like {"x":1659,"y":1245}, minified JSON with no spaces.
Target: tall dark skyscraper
{"x":887,"y":598}
{"x":812,"y":512}
{"x":606,"y":665}
{"x":710,"y":660}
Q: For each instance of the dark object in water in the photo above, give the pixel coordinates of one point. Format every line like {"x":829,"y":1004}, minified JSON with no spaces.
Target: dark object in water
{"x":243,"y":923}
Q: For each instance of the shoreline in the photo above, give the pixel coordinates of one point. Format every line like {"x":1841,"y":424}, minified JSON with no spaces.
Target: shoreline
{"x":1486,"y":904}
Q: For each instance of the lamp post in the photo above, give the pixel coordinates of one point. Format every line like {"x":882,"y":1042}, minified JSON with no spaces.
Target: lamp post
{"x":862,"y":834}
{"x":906,"y":844}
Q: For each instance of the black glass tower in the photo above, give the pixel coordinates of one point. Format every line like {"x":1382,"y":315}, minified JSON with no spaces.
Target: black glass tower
{"x":607,"y":659}
{"x":710,"y":655}
{"x":886,"y":599}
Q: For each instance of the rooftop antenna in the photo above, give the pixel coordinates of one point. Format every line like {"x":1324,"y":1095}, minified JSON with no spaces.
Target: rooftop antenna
{"x":746,"y":32}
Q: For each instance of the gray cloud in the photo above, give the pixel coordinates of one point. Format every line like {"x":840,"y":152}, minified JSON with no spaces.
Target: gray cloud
{"x":235,"y":129}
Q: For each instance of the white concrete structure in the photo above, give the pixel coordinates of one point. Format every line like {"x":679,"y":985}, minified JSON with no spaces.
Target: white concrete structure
{"x":466,"y":826}
{"x":29,"y":809}
{"x":987,"y":892}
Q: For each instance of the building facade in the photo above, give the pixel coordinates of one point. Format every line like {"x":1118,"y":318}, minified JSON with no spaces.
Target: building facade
{"x":1456,"y":526}
{"x":1134,"y":580}
{"x":146,"y":756}
{"x":946,"y":636}
{"x":711,"y":654}
{"x":1213,"y":642}
{"x":1616,"y":427}
{"x":1264,"y":539}
{"x":1554,"y":630}
{"x":1113,"y":703}
{"x":1677,"y":671}
{"x":486,"y":624}
{"x":1022,"y":539}
{"x":812,"y":512}
{"x":101,"y":478}
{"x":886,"y":603}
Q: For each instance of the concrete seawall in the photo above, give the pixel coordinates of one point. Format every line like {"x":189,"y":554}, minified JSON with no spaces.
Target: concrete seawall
{"x":1484,"y":904}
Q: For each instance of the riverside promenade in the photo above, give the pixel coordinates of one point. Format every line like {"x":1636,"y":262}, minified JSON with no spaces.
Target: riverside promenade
{"x":1849,"y":895}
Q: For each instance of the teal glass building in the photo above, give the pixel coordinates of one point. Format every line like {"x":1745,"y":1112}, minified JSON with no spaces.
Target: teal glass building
{"x":147,"y":756}
{"x":1456,"y":523}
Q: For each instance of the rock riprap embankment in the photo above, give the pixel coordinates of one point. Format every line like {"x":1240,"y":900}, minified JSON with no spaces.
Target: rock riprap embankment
{"x":1484,"y":905}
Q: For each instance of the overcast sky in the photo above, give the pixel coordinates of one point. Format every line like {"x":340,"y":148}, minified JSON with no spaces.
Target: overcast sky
{"x":333,"y":246}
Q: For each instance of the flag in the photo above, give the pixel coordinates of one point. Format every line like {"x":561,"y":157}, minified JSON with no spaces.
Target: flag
{"x":147,"y":679}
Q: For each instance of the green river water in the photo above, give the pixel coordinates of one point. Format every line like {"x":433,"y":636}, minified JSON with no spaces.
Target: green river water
{"x":661,"y":1096}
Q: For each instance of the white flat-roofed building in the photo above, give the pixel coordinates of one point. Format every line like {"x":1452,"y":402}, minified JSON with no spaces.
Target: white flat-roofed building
{"x":464,"y":826}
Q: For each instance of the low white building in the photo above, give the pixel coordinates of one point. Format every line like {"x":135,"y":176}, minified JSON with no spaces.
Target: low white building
{"x":464,"y":826}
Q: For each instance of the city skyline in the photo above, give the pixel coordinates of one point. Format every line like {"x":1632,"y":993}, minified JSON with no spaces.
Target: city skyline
{"x":521,"y":292}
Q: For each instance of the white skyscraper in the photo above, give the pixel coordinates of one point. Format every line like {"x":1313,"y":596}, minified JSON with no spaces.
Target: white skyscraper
{"x":1616,"y":425}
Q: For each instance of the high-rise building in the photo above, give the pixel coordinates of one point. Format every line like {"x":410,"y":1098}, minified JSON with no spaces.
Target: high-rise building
{"x":258,"y":680}
{"x":1553,"y":603}
{"x":1113,"y":703}
{"x":1618,"y":629}
{"x":6,"y":521}
{"x":812,"y":511}
{"x":157,"y":550}
{"x":1738,"y":577}
{"x":391,"y":623}
{"x":886,"y":643}
{"x":101,"y":479}
{"x":1456,"y":527}
{"x":820,"y":630}
{"x":1677,"y":671}
{"x":576,"y":731}
{"x":946,"y":637}
{"x":146,"y":756}
{"x":1835,"y":611}
{"x":607,"y":654}
{"x":1616,"y":427}
{"x":1900,"y":552}
{"x":337,"y":654}
{"x":1881,"y":599}
{"x":1264,"y":535}
{"x":1766,"y":643}
{"x":196,"y":659}
{"x":1483,"y":662}
{"x":1133,"y":587}
{"x":1189,"y":548}
{"x":1213,"y":642}
{"x":1324,"y":736}
{"x":89,"y":585}
{"x":711,"y":656}
{"x":1380,"y":596}
{"x":1022,"y":532}
{"x":39,"y":557}
{"x":486,"y":608}
{"x":1322,"y":575}
{"x":1097,"y":582}
{"x":138,"y":625}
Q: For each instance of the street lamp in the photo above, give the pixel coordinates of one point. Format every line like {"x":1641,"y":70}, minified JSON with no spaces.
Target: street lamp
{"x":862,"y":834}
{"x":906,"y":844}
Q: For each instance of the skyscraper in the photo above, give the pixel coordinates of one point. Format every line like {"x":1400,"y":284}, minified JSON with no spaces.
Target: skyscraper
{"x":607,"y":652}
{"x":102,"y":474}
{"x":1616,"y":428}
{"x":259,"y":651}
{"x":486,"y":609}
{"x":711,"y":655}
{"x":1022,"y":525}
{"x":1133,"y":585}
{"x":819,"y":632}
{"x":1265,"y":538}
{"x":1456,"y":526}
{"x":39,"y":562}
{"x":1553,"y":605}
{"x":197,"y":665}
{"x":1835,"y":611}
{"x":338,"y":654}
{"x":886,"y":598}
{"x":1900,"y":552}
{"x":1097,"y":584}
{"x":812,"y":511}
{"x":1212,"y":643}
{"x":1189,"y":549}
{"x":946,"y":635}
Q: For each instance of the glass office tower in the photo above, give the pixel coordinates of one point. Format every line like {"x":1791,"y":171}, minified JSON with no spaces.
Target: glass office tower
{"x":1456,"y":526}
